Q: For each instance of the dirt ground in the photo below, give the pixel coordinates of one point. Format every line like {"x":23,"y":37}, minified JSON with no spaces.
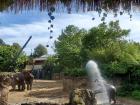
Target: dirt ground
{"x":43,"y":91}
{"x":50,"y":91}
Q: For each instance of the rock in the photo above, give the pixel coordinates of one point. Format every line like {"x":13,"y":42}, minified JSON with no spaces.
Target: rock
{"x":82,"y":97}
{"x":3,"y":95}
{"x":42,"y":104}
{"x":4,"y":81}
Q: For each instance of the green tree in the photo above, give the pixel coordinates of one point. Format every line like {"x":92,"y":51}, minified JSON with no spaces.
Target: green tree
{"x":104,"y":43}
{"x":39,"y":51}
{"x":68,"y":47}
{"x":7,"y":55}
{"x":17,"y":46}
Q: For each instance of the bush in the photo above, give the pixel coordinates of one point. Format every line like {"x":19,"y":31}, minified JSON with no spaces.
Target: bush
{"x":76,"y":72}
{"x":129,"y":89}
{"x":123,"y":92}
{"x":136,"y":94}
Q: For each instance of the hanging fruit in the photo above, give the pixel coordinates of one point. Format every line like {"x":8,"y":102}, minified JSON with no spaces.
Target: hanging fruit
{"x":121,"y":13}
{"x":105,"y":14}
{"x":130,"y":16}
{"x":115,"y":15}
{"x":52,"y":9}
{"x":51,"y":37}
{"x":50,"y":14}
{"x":103,"y":19}
{"x":47,"y":45}
{"x":93,"y":18}
{"x":52,"y":25}
{"x":52,"y":17}
{"x":49,"y":21}
{"x":51,"y":31}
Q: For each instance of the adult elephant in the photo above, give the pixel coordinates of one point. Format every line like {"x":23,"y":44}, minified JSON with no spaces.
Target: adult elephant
{"x":111,"y":90}
{"x":28,"y":79}
{"x":19,"y":80}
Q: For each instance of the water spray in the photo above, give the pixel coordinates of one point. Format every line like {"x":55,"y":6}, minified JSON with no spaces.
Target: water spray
{"x":97,"y":83}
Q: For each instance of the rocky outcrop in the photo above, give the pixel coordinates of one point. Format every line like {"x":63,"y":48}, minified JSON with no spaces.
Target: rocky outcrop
{"x":42,"y":104}
{"x":3,"y":95}
{"x":4,"y":81}
{"x":83,"y":97}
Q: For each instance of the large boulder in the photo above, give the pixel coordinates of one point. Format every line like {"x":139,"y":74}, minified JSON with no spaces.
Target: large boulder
{"x":82,"y":97}
{"x":4,"y":95}
{"x":4,"y":82}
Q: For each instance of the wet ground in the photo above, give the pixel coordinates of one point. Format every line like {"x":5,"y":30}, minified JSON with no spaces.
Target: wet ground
{"x":50,"y":92}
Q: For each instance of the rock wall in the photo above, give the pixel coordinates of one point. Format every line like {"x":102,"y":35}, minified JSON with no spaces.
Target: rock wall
{"x":42,"y":104}
{"x":70,"y":83}
{"x":3,"y":90}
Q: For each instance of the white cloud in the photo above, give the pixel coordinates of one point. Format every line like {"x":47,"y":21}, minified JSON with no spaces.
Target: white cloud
{"x":39,"y":29}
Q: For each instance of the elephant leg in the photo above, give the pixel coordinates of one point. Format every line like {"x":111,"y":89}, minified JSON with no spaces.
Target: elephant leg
{"x":31,"y":86}
{"x":109,"y":97}
{"x":19,"y":87}
{"x":114,"y":100}
{"x":110,"y":100}
{"x":23,"y":87}
{"x":28,"y":87}
{"x":13,"y":87}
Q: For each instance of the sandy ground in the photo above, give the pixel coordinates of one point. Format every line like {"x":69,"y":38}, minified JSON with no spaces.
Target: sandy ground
{"x":43,"y":91}
{"x":50,"y":91}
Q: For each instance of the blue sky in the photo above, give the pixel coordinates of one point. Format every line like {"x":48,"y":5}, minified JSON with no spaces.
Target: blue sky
{"x":18,"y":27}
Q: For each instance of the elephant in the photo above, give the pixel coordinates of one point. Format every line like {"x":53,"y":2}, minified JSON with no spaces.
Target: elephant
{"x":28,"y":79}
{"x":111,"y":91}
{"x":4,"y":83}
{"x":19,"y":80}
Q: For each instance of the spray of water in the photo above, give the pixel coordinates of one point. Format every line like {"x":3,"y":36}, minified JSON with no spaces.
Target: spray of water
{"x":97,"y":82}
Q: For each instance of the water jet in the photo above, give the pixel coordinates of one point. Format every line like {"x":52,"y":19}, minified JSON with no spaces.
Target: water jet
{"x":97,"y":83}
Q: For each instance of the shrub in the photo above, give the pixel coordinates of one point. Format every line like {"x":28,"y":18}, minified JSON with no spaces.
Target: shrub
{"x":136,"y":94}
{"x":75,"y":72}
{"x":122,"y":92}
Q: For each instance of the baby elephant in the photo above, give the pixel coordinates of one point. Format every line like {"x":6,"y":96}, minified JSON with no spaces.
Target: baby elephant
{"x":111,"y":90}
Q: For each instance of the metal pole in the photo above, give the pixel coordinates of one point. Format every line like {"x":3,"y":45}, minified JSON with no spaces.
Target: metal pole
{"x":18,"y":54}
